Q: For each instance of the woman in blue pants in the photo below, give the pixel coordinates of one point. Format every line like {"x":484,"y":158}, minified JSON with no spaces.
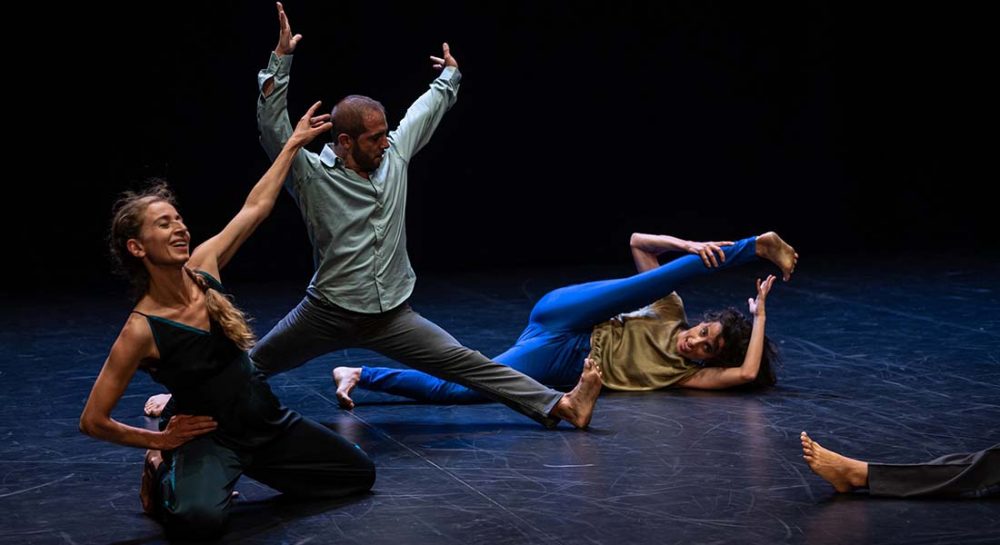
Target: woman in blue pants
{"x":647,"y":349}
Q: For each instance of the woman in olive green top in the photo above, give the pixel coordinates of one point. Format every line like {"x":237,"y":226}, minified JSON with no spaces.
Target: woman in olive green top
{"x":647,"y":349}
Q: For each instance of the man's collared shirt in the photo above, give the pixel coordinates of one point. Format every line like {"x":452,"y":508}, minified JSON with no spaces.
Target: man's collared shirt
{"x":357,"y":227}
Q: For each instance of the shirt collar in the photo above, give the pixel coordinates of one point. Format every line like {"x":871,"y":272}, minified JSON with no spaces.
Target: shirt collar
{"x":329,"y":158}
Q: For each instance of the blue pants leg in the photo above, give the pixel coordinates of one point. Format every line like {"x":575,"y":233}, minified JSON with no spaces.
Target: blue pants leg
{"x":585,"y":305}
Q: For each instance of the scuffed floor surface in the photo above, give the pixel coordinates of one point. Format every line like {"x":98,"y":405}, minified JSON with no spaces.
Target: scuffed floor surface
{"x":897,"y":361}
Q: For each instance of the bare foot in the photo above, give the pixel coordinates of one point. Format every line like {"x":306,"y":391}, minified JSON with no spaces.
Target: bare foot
{"x":155,"y":404}
{"x":777,"y":251}
{"x":845,"y":474}
{"x":147,"y":488}
{"x":577,"y":407}
{"x":346,"y":378}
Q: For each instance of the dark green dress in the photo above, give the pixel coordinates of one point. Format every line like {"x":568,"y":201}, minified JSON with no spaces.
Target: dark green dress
{"x":209,"y":375}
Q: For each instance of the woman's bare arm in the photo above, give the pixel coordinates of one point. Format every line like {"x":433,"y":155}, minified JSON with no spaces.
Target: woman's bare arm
{"x":134,"y":344}
{"x":716,"y":378}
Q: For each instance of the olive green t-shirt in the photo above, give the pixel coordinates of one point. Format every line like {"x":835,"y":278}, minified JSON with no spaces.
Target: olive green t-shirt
{"x":638,"y":350}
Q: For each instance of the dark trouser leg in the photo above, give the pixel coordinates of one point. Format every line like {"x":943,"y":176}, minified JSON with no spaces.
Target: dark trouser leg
{"x":553,"y":360}
{"x":196,"y":488}
{"x":309,"y":330}
{"x":408,"y":338}
{"x":955,"y":475}
{"x":313,"y":461}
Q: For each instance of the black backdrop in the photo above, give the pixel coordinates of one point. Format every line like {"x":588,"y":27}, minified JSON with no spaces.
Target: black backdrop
{"x":848,"y":129}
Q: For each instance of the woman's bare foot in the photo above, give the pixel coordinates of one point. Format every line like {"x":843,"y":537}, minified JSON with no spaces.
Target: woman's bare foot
{"x":346,"y":378}
{"x":147,"y":488}
{"x":777,"y":251}
{"x":845,"y":474}
{"x":155,"y":404}
{"x":577,"y":407}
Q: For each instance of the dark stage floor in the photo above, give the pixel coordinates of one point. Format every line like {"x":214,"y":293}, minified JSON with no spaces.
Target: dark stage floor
{"x":896,"y":361}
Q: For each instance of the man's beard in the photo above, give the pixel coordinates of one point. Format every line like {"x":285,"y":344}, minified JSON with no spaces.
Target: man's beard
{"x":367,"y":164}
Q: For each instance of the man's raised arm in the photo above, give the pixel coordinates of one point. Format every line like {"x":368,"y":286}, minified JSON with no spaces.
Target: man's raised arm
{"x":425,"y":114}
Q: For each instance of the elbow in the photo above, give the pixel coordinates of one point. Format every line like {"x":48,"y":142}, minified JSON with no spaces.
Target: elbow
{"x":635,"y":240}
{"x":87,"y":426}
{"x":266,"y":88}
{"x":747,"y":377}
{"x":92,"y":426}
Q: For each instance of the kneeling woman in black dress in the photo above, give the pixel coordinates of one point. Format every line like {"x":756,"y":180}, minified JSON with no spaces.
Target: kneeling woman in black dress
{"x":190,"y":338}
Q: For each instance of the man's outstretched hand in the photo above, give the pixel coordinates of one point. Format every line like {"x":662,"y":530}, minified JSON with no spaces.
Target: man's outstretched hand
{"x":286,"y":40}
{"x":440,"y":62}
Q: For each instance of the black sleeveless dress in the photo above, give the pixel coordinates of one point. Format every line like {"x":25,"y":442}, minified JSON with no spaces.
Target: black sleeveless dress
{"x":209,"y":375}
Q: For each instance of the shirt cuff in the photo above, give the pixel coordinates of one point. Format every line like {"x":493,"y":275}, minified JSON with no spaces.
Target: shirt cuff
{"x":276,"y":66}
{"x":451,"y":75}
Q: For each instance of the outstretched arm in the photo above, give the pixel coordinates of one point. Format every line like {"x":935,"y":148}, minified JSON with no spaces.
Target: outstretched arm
{"x":646,"y":249}
{"x":716,"y":378}
{"x":134,"y":344}
{"x":272,"y":115}
{"x":424,"y":115}
{"x":214,"y":253}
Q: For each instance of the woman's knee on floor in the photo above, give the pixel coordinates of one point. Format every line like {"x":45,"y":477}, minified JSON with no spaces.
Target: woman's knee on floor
{"x":344,"y":473}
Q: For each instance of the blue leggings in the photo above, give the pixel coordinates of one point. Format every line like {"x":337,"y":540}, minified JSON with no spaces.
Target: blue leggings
{"x":552,"y":348}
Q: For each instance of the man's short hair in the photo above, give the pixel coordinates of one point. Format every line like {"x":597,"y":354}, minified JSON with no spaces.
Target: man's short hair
{"x":348,"y":116}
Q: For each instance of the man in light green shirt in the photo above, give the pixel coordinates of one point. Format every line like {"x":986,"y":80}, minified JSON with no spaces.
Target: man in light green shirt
{"x":353,"y":199}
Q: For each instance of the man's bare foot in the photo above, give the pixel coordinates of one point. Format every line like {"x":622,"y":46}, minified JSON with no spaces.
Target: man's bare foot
{"x":346,"y":378}
{"x":155,"y":404}
{"x":147,"y":488}
{"x":577,"y":407}
{"x":845,"y":474}
{"x":777,"y":251}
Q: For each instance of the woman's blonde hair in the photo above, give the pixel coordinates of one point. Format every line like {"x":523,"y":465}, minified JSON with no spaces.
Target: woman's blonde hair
{"x":232,"y":320}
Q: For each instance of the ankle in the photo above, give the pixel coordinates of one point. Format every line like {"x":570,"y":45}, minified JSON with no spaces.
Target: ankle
{"x":761,"y":244}
{"x":563,"y":409}
{"x":858,"y":476}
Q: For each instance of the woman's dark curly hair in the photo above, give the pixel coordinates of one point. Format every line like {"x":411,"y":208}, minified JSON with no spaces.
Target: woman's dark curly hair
{"x":736,"y":329}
